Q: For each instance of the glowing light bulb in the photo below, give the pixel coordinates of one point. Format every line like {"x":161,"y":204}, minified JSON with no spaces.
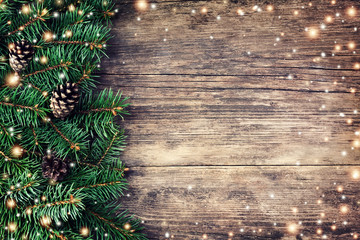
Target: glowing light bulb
{"x":344,"y":209}
{"x":351,"y":45}
{"x":204,"y":10}
{"x":351,"y":11}
{"x":44,"y":60}
{"x":12,"y":80}
{"x":329,"y":19}
{"x":17,"y":151}
{"x":127,"y":226}
{"x":45,"y":221}
{"x":141,"y":5}
{"x":296,"y":13}
{"x":355,"y":174}
{"x":313,"y":33}
{"x":269,"y":8}
{"x":68,"y":33}
{"x":12,"y":226}
{"x":293,"y":228}
{"x":25,"y":9}
{"x":337,"y":47}
{"x":240,"y":12}
{"x":84,"y":231}
{"x":47,"y":36}
{"x":357,"y":66}
{"x":10,"y":203}
{"x":71,"y":7}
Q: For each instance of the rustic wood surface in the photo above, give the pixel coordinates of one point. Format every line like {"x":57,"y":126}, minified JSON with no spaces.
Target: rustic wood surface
{"x":241,"y":126}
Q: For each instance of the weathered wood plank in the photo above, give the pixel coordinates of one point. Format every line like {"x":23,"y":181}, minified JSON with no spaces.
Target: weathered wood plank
{"x":188,"y":202}
{"x":177,"y":120}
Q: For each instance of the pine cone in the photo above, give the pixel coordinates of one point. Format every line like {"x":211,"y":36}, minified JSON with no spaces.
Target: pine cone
{"x":55,"y":168}
{"x":63,"y":100}
{"x":20,"y":54}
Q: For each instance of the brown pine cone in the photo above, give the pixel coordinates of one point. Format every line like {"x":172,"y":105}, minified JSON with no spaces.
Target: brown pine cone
{"x":55,"y":168}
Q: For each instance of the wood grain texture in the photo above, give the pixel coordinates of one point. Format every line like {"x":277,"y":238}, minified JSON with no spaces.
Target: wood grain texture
{"x":230,"y":111}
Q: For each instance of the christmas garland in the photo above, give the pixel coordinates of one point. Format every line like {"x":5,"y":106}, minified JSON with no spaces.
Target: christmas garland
{"x":59,"y":141}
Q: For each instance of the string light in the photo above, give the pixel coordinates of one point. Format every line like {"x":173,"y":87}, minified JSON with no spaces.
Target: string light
{"x":12,"y":80}
{"x":293,"y":228}
{"x":12,"y":226}
{"x":10,"y":203}
{"x":240,"y":12}
{"x":355,"y":174}
{"x":296,"y":13}
{"x":141,"y":5}
{"x":204,"y":10}
{"x":337,"y":47}
{"x":17,"y":151}
{"x":351,"y":11}
{"x":313,"y":32}
{"x":351,"y":45}
{"x":329,"y":19}
{"x":47,"y":36}
{"x":84,"y":231}
{"x":25,"y":9}
{"x":269,"y":8}
{"x":344,"y":209}
{"x":45,"y":221}
{"x":68,"y":33}
{"x":127,"y":226}
{"x":357,"y":66}
{"x":44,"y":60}
{"x":71,"y":7}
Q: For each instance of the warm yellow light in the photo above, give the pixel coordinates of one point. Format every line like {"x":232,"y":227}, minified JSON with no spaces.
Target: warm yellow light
{"x":337,"y":47}
{"x":344,"y":209}
{"x":12,"y":80}
{"x":296,"y":12}
{"x":45,"y":221}
{"x":329,"y":19}
{"x":313,"y":32}
{"x":141,"y":5}
{"x":127,"y":226}
{"x":319,"y":201}
{"x":25,"y":9}
{"x":349,"y":121}
{"x":357,"y":66}
{"x":351,"y":11}
{"x":84,"y":231}
{"x":204,"y":236}
{"x":12,"y":226}
{"x":351,"y":45}
{"x":240,"y":11}
{"x":293,"y":228}
{"x":71,"y":7}
{"x":355,"y":174}
{"x":44,"y":60}
{"x":340,"y":189}
{"x":68,"y":33}
{"x":333,"y":227}
{"x":204,"y":10}
{"x":270,"y":8}
{"x":319,"y":231}
{"x":17,"y":151}
{"x":10,"y":203}
{"x":295,"y":210}
{"x":322,"y":214}
{"x":356,"y":236}
{"x":333,"y":2}
{"x":28,"y":211}
{"x":47,"y":36}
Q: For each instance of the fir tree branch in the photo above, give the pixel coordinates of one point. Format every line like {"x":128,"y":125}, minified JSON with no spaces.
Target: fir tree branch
{"x":21,"y":106}
{"x":99,"y":185}
{"x":31,"y":21}
{"x":3,"y":127}
{"x":26,"y":186}
{"x":108,"y":148}
{"x":72,"y":200}
{"x":35,"y":136}
{"x":72,"y":145}
{"x":62,"y":64}
{"x":6,"y":157}
{"x":84,"y":76}
{"x":112,"y":110}
{"x":91,"y":44}
{"x":108,"y":222}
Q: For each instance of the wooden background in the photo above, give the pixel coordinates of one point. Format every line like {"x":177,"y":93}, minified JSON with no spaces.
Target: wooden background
{"x":241,"y":127}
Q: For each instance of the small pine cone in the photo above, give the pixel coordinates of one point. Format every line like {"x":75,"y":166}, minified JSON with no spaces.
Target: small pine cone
{"x":20,"y":54}
{"x":63,"y":100}
{"x":55,"y":168}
